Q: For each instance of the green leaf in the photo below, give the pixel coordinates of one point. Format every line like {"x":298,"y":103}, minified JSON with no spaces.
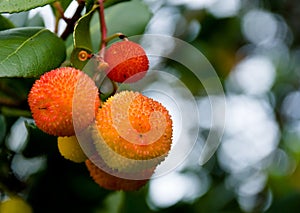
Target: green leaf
{"x":5,"y":23}
{"x":14,"y":91}
{"x":22,"y":20}
{"x":2,"y":128}
{"x":39,"y":143}
{"x":81,"y":35}
{"x":29,"y":52}
{"x":14,"y":6}
{"x":63,"y":3}
{"x":129,"y":18}
{"x":19,"y":19}
{"x":82,"y":38}
{"x":109,"y":3}
{"x":113,"y":202}
{"x":15,"y":112}
{"x":89,"y":5}
{"x":75,"y":62}
{"x":35,"y":21}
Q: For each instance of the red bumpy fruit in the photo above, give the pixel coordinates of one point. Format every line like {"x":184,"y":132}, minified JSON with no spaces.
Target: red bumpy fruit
{"x":61,"y":95}
{"x":127,"y":62}
{"x":113,"y":180}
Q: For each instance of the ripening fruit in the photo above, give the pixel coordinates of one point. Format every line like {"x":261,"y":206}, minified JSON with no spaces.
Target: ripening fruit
{"x":111,"y":180}
{"x":70,"y":149}
{"x":15,"y":205}
{"x":133,"y":132}
{"x":127,"y":62}
{"x":63,"y":100}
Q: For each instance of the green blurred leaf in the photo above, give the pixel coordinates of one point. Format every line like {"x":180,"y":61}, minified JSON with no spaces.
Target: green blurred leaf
{"x":2,"y":128}
{"x":130,"y":18}
{"x":17,"y":88}
{"x":21,"y":5}
{"x":113,"y":202}
{"x":14,"y":91}
{"x":89,"y":4}
{"x":5,"y":23}
{"x":35,"y":21}
{"x":29,"y":52}
{"x":14,"y":112}
{"x":109,"y":3}
{"x":23,"y":19}
{"x":63,"y":3}
{"x":69,"y":45}
{"x":19,"y":19}
{"x":39,"y":143}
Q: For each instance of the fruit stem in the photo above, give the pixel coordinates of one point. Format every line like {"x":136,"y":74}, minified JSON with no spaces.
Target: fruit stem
{"x":60,"y":11}
{"x":116,"y":35}
{"x":103,"y":29}
{"x":59,"y":15}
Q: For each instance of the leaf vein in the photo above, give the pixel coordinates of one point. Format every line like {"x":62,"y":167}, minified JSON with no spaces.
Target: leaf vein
{"x":21,"y":46}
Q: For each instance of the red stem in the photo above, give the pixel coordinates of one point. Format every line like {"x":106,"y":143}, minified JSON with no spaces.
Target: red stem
{"x":103,"y":29}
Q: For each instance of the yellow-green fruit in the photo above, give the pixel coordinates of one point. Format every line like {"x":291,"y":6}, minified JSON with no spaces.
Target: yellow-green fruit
{"x":70,"y":149}
{"x":15,"y":205}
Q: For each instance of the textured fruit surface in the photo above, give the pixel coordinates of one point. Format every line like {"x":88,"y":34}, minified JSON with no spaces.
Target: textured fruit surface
{"x":118,"y":162}
{"x":127,"y":62}
{"x":132,"y":131}
{"x":15,"y":205}
{"x":70,"y":149}
{"x":61,"y":95}
{"x":108,"y":179}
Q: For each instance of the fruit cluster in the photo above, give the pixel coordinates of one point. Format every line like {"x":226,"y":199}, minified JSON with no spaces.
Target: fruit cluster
{"x":122,"y":139}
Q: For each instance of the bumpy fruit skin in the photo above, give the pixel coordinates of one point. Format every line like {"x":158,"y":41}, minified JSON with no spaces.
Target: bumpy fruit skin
{"x":110,"y":179}
{"x":15,"y":205}
{"x":139,"y":144}
{"x":70,"y":149}
{"x":63,"y":99}
{"x":127,"y":62}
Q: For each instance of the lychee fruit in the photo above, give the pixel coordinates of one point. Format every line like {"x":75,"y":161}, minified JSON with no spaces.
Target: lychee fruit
{"x":63,"y":100}
{"x":127,"y":62}
{"x":70,"y":149}
{"x":133,"y":132}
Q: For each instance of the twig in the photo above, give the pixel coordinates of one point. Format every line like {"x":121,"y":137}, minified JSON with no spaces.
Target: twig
{"x":72,"y":21}
{"x":103,"y":29}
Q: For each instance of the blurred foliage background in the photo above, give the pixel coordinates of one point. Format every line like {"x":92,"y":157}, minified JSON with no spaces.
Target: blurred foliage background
{"x":254,"y":47}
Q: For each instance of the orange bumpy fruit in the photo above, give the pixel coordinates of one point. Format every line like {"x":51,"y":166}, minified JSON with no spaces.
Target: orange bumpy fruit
{"x":133,"y":132}
{"x":63,"y":100}
{"x":109,"y":179}
{"x":127,"y":62}
{"x":70,"y":149}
